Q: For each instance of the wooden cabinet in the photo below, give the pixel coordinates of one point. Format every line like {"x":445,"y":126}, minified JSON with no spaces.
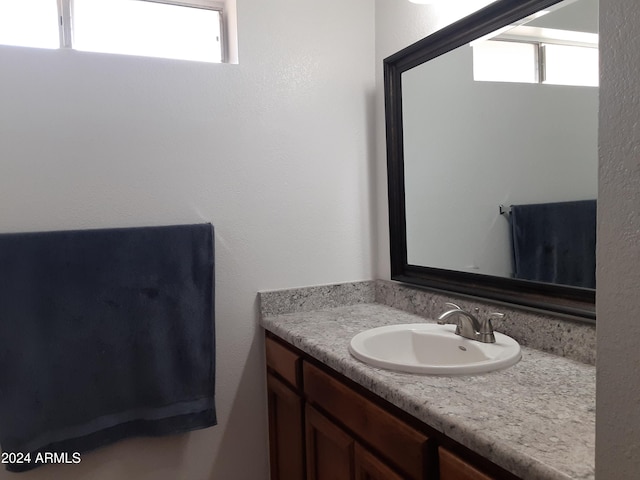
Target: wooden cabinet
{"x":332,"y":454}
{"x":330,"y":451}
{"x":453,"y":467}
{"x":401,"y":445}
{"x":284,"y":362}
{"x":286,"y":431}
{"x":324,"y":427}
{"x":369,"y":467}
{"x":286,"y":413}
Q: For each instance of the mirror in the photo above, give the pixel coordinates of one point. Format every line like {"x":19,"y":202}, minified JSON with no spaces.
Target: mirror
{"x":492,"y":156}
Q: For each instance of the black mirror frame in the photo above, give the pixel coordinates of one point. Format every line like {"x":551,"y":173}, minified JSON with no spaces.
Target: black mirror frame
{"x":575,"y":302}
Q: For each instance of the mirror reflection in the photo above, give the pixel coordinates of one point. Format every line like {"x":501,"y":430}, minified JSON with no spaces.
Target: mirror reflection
{"x":500,"y":151}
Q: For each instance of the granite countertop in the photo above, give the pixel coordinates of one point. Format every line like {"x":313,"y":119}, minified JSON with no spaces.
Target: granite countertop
{"x":535,"y":419}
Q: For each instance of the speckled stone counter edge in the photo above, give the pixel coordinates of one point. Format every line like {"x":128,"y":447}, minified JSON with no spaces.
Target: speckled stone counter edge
{"x":307,"y":299}
{"x":556,"y":335}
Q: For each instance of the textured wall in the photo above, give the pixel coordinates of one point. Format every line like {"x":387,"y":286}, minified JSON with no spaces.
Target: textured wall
{"x":275,"y":151}
{"x":618,"y":250}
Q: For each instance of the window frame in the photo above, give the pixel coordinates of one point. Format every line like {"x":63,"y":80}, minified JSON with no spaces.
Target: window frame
{"x":66,"y":19}
{"x":215,"y":5}
{"x":540,"y":57}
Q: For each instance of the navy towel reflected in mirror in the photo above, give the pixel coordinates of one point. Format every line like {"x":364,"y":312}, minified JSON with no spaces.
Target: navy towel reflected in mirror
{"x":555,"y":242}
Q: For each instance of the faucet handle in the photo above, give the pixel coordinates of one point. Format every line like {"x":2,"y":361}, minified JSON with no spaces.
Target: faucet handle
{"x":486,"y":325}
{"x":486,"y":328}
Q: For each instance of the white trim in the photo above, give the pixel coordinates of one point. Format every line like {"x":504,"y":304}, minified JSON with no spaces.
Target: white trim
{"x":65,"y":23}
{"x":550,"y":35}
{"x":204,"y":4}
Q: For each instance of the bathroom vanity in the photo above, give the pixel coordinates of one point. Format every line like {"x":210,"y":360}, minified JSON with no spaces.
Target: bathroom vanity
{"x":319,"y":418}
{"x":332,"y":416}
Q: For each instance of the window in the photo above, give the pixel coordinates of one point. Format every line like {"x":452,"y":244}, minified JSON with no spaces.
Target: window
{"x":188,"y":30}
{"x":496,"y":61}
{"x":29,"y":23}
{"x":570,"y":65}
{"x":562,"y":60}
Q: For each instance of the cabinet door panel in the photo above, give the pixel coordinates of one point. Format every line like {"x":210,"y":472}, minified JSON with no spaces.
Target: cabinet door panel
{"x":453,"y":467}
{"x":403,"y":446}
{"x":286,"y":431}
{"x":330,"y":451}
{"x":369,"y":467}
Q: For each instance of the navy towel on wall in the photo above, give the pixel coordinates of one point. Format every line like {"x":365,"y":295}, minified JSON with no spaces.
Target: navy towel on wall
{"x":555,"y":242}
{"x":104,"y":334}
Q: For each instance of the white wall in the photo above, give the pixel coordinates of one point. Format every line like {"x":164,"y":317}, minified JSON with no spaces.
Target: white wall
{"x":275,"y":152}
{"x":495,"y":143}
{"x":618,"y":250}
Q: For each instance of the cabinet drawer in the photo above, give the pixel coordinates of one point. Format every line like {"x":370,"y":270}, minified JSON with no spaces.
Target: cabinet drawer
{"x":403,"y":446}
{"x":453,"y":467}
{"x":283,"y":361}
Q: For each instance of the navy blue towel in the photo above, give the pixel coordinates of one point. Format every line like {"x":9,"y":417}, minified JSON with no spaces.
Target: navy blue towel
{"x":104,"y":334}
{"x":555,"y":242}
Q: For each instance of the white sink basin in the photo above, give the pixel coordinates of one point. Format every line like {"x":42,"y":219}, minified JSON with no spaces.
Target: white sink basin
{"x":432,"y":349}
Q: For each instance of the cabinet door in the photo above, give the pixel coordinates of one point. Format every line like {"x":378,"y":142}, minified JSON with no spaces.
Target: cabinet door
{"x":286,"y":431}
{"x":368,"y":467}
{"x":453,"y":467}
{"x":330,"y":451}
{"x":401,"y":445}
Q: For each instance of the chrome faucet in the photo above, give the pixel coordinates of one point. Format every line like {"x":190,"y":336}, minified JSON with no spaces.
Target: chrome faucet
{"x":468,"y":325}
